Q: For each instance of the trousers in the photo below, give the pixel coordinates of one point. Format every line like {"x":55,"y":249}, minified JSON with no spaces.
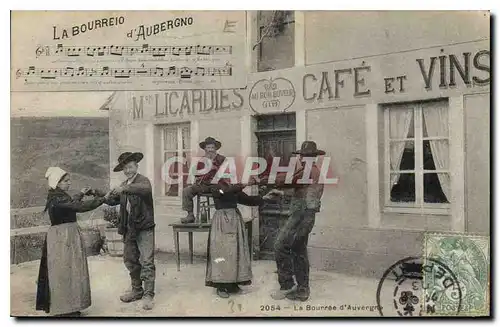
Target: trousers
{"x":138,"y":256}
{"x":291,"y":249}
{"x":190,"y":192}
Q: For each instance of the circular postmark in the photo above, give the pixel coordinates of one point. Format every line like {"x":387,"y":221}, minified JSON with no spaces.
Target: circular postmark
{"x":419,"y":287}
{"x":276,"y":94}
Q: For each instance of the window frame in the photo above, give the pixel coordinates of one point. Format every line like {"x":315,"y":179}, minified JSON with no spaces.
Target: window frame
{"x":419,"y":206}
{"x":179,"y":151}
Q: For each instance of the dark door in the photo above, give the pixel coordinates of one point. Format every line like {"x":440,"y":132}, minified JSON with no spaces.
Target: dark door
{"x":274,"y":142}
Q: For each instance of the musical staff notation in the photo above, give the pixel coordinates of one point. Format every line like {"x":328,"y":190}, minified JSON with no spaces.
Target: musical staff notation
{"x":103,"y":72}
{"x":143,"y":50}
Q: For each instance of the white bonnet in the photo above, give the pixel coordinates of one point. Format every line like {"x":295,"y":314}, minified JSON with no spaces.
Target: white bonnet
{"x":54,"y":175}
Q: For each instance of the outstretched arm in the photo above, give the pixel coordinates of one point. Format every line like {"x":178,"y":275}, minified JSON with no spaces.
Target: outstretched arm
{"x":249,"y":200}
{"x":112,"y":200}
{"x":142,"y":188}
{"x":98,"y":192}
{"x":281,"y":180}
{"x":78,"y":196}
{"x":232,"y":188}
{"x":80,"y":206}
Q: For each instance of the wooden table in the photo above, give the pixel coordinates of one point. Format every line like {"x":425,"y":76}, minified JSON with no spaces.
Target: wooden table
{"x":190,"y":229}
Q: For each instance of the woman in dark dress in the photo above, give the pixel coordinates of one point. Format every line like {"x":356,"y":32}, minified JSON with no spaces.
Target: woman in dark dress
{"x":63,"y":279}
{"x":228,"y":255}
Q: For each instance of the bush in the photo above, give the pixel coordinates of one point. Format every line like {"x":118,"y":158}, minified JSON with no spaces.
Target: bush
{"x":112,"y":216}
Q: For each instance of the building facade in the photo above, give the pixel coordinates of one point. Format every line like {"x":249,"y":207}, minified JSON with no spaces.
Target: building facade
{"x":400,"y":102}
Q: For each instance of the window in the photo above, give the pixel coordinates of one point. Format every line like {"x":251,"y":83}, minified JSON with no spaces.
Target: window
{"x":276,"y":40}
{"x":176,"y":143}
{"x":417,"y":171}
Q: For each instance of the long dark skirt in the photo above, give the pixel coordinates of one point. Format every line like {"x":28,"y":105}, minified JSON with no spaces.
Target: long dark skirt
{"x":228,"y":255}
{"x":63,"y":278}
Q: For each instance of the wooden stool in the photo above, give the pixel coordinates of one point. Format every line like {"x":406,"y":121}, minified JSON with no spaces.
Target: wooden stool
{"x":203,"y":207}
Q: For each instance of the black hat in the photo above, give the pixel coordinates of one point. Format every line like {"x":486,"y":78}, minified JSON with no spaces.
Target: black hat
{"x":210,"y":140}
{"x":127,"y":157}
{"x":309,"y":149}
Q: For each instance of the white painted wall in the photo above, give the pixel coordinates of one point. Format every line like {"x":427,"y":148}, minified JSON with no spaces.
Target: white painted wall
{"x":340,"y":35}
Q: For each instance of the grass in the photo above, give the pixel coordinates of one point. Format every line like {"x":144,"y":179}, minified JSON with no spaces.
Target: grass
{"x":78,"y":145}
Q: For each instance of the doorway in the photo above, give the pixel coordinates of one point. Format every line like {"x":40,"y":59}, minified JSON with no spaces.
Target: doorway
{"x":276,"y":137}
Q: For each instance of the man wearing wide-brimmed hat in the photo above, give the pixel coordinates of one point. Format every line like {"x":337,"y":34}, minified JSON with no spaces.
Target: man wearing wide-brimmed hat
{"x":203,"y":182}
{"x":137,"y":225}
{"x":291,"y":242}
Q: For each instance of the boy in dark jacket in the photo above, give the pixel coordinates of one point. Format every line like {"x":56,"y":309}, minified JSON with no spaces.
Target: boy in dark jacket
{"x":137,"y":227}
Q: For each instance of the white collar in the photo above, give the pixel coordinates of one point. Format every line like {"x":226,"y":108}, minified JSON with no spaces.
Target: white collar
{"x":131,"y":180}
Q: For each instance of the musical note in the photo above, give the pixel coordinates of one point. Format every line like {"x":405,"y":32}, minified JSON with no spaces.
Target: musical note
{"x":186,"y":72}
{"x":172,"y":71}
{"x":159,"y":52}
{"x":80,"y":71}
{"x":176,"y":51}
{"x":145,"y":49}
{"x":69,"y":71}
{"x":73,"y":52}
{"x":105,"y":71}
{"x":123,"y":73}
{"x":204,"y":50}
{"x":91,"y":72}
{"x":116,"y":51}
{"x":48,"y":73}
{"x":31,"y":71}
{"x":91,"y":51}
{"x":158,"y":71}
{"x":200,"y":71}
{"x":59,"y":49}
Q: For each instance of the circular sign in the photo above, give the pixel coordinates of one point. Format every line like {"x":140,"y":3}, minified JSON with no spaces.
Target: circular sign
{"x":272,"y":94}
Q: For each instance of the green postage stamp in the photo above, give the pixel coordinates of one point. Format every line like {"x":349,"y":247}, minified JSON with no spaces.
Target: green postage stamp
{"x":467,"y":257}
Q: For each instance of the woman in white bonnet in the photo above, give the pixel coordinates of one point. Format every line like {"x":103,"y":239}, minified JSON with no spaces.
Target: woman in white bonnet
{"x":63,"y":279}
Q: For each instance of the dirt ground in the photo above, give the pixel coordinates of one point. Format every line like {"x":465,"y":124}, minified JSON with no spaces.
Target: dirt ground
{"x":183,"y":293}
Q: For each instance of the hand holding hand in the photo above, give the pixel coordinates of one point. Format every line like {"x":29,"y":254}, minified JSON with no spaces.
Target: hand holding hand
{"x":86,"y":190}
{"x":117,"y":190}
{"x":254,"y":180}
{"x":273,"y":194}
{"x":108,"y":195}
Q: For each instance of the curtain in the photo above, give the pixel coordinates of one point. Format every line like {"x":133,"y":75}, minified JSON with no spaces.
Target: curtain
{"x":437,"y":124}
{"x":399,"y":125}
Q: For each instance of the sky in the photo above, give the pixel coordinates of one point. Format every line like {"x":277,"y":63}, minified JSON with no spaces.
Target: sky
{"x":57,"y":104}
